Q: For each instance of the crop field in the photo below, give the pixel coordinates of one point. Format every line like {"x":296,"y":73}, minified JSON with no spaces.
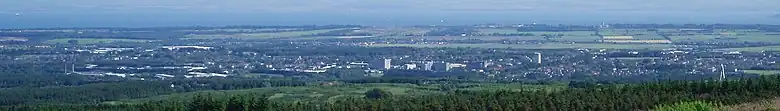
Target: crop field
{"x":624,"y":32}
{"x":639,"y":41}
{"x":331,"y":93}
{"x":406,"y":31}
{"x":569,"y":33}
{"x":635,"y":58}
{"x":259,"y":35}
{"x":534,"y":46}
{"x":500,"y":31}
{"x":487,"y":38}
{"x":751,"y":37}
{"x":94,"y":41}
{"x":762,"y":72}
{"x":754,"y":49}
{"x":571,"y":36}
{"x":577,"y":39}
{"x":243,"y":30}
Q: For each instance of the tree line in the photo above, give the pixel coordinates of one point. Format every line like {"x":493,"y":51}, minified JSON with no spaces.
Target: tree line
{"x":620,"y":97}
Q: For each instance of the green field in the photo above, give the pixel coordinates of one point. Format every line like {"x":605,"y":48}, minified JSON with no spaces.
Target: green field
{"x":259,"y":35}
{"x":571,"y":36}
{"x":500,"y":31}
{"x":729,"y":37}
{"x":619,"y":32}
{"x":754,"y":49}
{"x":94,"y":41}
{"x":535,"y":46}
{"x":330,"y":93}
{"x":762,"y":72}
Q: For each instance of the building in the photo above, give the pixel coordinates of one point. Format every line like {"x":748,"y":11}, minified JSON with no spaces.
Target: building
{"x":538,"y":57}
{"x":441,"y":66}
{"x":411,"y":66}
{"x":478,"y":65}
{"x":382,"y":64}
{"x":428,"y":66}
{"x":186,"y":47}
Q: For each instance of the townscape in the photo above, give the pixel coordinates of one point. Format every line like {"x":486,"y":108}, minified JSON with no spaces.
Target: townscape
{"x":487,"y":52}
{"x":520,"y":54}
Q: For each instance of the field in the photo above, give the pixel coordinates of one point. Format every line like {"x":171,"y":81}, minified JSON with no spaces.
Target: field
{"x":259,"y":35}
{"x":571,"y":36}
{"x":635,"y":58}
{"x":755,"y":37}
{"x":331,"y":93}
{"x":625,"y":32}
{"x":535,"y":46}
{"x":500,"y":31}
{"x":632,"y":36}
{"x":93,"y":41}
{"x":639,"y":41}
{"x":762,"y":72}
{"x":754,"y":49}
{"x":527,"y":38}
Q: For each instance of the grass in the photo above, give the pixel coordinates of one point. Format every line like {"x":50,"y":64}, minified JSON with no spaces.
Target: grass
{"x":689,"y":106}
{"x":534,"y":46}
{"x":618,"y":32}
{"x":336,"y":92}
{"x":747,"y":37}
{"x":305,"y":93}
{"x":765,"y":105}
{"x":500,"y":31}
{"x":754,"y":49}
{"x":762,"y":72}
{"x":635,"y":58}
{"x":93,"y":41}
{"x":259,"y":35}
{"x":580,"y":38}
{"x":527,"y":38}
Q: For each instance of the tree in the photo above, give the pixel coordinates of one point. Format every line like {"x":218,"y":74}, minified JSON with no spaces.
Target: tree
{"x":74,"y":42}
{"x":236,"y":104}
{"x":377,"y":93}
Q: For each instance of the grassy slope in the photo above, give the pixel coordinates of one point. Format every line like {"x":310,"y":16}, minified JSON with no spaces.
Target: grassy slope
{"x":331,"y":93}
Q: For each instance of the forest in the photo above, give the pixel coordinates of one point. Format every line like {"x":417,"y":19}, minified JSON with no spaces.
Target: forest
{"x":614,"y":97}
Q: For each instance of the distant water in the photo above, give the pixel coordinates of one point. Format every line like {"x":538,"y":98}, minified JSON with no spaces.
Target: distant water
{"x":50,"y":20}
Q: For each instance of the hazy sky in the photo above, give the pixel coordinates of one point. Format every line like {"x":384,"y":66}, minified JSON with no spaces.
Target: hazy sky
{"x":141,"y":13}
{"x":329,"y":6}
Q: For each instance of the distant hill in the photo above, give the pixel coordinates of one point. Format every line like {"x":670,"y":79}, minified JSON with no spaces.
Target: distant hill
{"x":776,"y":16}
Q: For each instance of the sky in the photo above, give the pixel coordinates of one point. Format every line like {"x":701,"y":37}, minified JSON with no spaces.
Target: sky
{"x":465,"y":11}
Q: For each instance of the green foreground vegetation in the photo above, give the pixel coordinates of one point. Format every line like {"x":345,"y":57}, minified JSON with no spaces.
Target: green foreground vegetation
{"x":670,"y":95}
{"x":534,"y":46}
{"x":329,"y":94}
{"x":93,"y":41}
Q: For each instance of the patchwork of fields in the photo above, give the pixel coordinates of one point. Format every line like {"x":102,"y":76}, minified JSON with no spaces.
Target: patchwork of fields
{"x":259,"y":35}
{"x":535,"y":46}
{"x":94,"y":41}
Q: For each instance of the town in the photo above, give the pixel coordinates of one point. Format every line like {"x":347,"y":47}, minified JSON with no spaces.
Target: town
{"x":488,"y":52}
